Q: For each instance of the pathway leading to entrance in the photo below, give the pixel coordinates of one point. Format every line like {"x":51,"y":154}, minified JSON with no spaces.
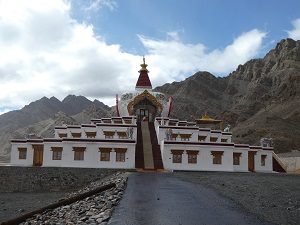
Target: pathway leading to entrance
{"x":162,"y":199}
{"x":147,"y":146}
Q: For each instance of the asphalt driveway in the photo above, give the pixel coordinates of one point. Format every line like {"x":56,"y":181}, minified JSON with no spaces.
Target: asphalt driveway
{"x":163,"y":199}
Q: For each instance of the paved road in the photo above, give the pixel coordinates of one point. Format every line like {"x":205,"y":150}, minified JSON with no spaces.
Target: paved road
{"x":162,"y":199}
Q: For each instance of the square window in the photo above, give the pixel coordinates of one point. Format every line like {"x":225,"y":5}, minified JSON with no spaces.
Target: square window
{"x":236,"y":158}
{"x":79,"y":155}
{"x":120,"y":156}
{"x":201,"y":138}
{"x":213,"y":139}
{"x":174,"y":137}
{"x":56,"y":155}
{"x":62,"y":135}
{"x":105,"y":156}
{"x":90,"y":134}
{"x":122,"y":135}
{"x":217,"y":157}
{"x":22,"y":153}
{"x":177,"y":158}
{"x":192,"y":158}
{"x":185,"y":137}
{"x":76,"y":135}
{"x":109,"y":134}
{"x":263,"y":160}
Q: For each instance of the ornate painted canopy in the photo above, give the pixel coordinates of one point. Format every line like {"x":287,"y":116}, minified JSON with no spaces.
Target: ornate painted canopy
{"x":144,"y":95}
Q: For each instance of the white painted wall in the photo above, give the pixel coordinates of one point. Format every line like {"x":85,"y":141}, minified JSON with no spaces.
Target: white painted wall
{"x":216,"y":135}
{"x":269,"y":162}
{"x":58,"y":131}
{"x":98,"y":129}
{"x":47,"y":160}
{"x":204,"y":158}
{"x":14,"y":159}
{"x":161,"y":134}
{"x":226,"y":136}
{"x":205,"y":133}
{"x":88,"y":129}
{"x":292,"y":163}
{"x":91,"y":155}
{"x":243,"y":167}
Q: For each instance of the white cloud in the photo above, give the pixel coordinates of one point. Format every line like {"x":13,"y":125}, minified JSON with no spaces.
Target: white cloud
{"x":174,"y":35}
{"x":243,"y":48}
{"x":95,"y":5}
{"x":175,"y":60}
{"x":45,"y":52}
{"x":295,"y":33}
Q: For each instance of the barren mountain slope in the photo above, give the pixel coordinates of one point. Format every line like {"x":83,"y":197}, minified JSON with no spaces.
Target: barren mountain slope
{"x":41,"y":116}
{"x":260,"y":99}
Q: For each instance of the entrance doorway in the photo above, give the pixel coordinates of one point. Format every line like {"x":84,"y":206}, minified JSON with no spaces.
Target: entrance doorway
{"x":251,"y":165}
{"x":144,"y":113}
{"x":145,"y":108}
{"x":38,"y":152}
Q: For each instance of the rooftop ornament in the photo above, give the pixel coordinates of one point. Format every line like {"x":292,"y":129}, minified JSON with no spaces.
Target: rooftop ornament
{"x":143,"y":81}
{"x":206,"y":119}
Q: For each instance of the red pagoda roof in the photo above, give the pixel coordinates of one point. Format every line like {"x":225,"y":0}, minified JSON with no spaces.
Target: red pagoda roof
{"x":143,"y":80}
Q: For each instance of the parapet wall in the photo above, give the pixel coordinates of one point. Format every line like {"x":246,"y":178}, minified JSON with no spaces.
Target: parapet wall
{"x":48,"y":179}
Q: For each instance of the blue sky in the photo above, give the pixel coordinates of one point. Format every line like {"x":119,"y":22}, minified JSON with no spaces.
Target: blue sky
{"x":94,"y":47}
{"x":212,"y":22}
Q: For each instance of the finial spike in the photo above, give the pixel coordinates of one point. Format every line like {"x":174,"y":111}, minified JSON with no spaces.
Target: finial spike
{"x":144,"y":65}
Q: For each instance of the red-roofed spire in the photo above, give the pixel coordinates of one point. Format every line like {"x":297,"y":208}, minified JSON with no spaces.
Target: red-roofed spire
{"x":143,"y":81}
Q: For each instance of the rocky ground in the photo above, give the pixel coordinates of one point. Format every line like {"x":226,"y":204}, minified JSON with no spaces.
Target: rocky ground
{"x":17,"y":203}
{"x":96,"y":209}
{"x":273,"y":197}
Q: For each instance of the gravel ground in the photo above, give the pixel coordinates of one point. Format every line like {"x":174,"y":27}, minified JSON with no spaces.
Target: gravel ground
{"x":273,"y":197}
{"x":15,"y":204}
{"x":95,"y":209}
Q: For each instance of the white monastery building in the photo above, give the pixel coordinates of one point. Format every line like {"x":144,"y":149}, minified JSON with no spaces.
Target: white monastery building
{"x":142,"y":136}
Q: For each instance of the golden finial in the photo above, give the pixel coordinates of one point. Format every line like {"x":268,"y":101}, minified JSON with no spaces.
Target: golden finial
{"x":144,"y":65}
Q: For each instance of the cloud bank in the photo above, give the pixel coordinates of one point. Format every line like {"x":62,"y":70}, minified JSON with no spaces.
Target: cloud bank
{"x":46,"y":52}
{"x":295,"y":33}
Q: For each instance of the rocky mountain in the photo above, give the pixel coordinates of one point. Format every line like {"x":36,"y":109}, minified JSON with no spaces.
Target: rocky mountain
{"x":200,"y":93}
{"x":93,"y":112}
{"x":39,"y":118}
{"x":259,"y":99}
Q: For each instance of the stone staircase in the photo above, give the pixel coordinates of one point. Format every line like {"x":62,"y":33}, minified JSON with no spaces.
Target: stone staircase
{"x":278,"y":165}
{"x":147,"y":154}
{"x":139,"y":153}
{"x":158,"y":163}
{"x":147,"y":146}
